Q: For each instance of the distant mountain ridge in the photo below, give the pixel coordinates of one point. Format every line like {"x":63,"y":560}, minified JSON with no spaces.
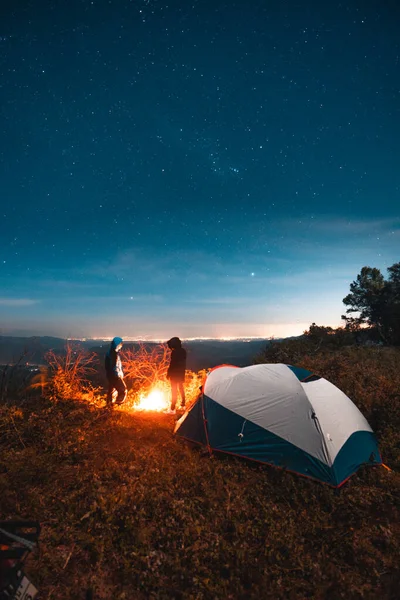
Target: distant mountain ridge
{"x":202,"y":353}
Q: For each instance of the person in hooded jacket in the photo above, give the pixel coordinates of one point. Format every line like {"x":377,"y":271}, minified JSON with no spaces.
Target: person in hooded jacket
{"x":176,"y":372}
{"x":114,"y":372}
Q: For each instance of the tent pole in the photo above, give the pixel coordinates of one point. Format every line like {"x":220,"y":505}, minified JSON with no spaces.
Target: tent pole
{"x":205,"y":425}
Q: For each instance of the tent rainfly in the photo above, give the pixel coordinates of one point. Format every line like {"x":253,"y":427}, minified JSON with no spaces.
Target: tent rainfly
{"x":283,"y":416}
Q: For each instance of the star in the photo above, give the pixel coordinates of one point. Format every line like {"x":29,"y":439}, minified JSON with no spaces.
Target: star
{"x":160,"y":169}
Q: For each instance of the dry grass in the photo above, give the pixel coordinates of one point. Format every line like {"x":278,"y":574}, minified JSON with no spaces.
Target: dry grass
{"x":131,"y":512}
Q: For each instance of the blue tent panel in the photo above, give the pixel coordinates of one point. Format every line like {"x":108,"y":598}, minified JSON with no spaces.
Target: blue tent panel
{"x":361,"y":448}
{"x":192,"y":427}
{"x":231,"y":433}
{"x":303,"y":374}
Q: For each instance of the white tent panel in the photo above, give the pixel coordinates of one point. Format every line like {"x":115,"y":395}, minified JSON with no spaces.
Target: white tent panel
{"x":221,"y":373}
{"x":337,"y":415}
{"x":272,"y":397}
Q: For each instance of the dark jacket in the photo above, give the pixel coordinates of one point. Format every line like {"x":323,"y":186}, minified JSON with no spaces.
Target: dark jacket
{"x":177,"y":365}
{"x":112,"y":361}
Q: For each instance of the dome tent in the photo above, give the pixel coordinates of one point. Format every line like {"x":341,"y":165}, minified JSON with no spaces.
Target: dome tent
{"x":283,"y":416}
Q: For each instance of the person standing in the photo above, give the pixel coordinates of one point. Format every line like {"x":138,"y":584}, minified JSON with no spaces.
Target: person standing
{"x":176,"y":372}
{"x":114,"y":372}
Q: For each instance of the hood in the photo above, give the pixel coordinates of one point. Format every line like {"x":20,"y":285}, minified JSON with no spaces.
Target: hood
{"x":174,"y":343}
{"x":116,"y":342}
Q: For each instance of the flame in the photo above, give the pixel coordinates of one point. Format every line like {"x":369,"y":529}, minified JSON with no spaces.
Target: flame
{"x":157,"y":400}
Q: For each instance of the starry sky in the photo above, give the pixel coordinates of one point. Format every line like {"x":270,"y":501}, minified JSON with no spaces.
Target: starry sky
{"x":202,"y":169}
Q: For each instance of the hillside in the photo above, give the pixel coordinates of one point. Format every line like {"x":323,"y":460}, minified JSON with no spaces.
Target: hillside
{"x":130,"y":512}
{"x":202,"y":354}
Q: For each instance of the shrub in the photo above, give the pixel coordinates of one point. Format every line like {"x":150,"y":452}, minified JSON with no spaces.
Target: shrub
{"x":69,"y":373}
{"x":146,"y":368}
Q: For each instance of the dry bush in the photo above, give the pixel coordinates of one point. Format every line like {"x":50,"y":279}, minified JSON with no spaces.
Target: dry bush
{"x":146,"y":366}
{"x":69,"y":373}
{"x":193,"y":382}
{"x":41,"y":380}
{"x":146,"y":369}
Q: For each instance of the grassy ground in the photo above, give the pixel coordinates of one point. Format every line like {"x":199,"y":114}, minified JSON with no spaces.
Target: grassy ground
{"x":130,"y":512}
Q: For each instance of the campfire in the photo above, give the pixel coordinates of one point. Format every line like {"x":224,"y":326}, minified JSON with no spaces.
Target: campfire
{"x":156,"y":400}
{"x":146,"y":367}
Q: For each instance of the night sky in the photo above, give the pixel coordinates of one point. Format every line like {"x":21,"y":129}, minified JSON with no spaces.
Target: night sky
{"x":199,"y":168}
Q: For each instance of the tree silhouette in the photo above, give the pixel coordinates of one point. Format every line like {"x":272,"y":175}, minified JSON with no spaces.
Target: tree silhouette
{"x":376,"y":302}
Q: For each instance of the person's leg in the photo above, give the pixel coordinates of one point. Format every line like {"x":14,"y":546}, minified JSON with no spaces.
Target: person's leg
{"x":174,"y":393}
{"x":120,"y":386}
{"x":110,"y":391}
{"x":182,"y":393}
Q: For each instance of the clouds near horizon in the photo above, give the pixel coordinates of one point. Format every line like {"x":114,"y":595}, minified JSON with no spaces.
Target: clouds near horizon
{"x":259,"y":291}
